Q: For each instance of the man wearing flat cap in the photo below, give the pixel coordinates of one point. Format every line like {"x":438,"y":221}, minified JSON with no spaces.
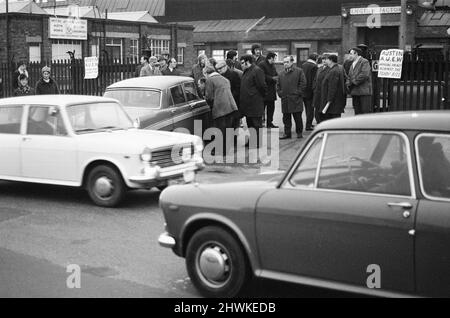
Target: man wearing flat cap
{"x":46,"y":85}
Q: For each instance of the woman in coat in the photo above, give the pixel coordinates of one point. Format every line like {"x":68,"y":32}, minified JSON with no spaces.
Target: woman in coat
{"x":46,"y":85}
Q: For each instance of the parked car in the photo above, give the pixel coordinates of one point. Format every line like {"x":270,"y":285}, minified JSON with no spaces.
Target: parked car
{"x":162,"y":102}
{"x":90,"y":142}
{"x":366,"y":196}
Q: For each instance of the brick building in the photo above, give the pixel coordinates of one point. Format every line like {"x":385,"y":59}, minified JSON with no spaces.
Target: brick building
{"x":36,"y":34}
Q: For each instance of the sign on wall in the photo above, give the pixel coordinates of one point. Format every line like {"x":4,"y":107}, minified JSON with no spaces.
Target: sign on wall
{"x":375,"y":10}
{"x":69,"y":29}
{"x":90,"y":67}
{"x":390,"y":64}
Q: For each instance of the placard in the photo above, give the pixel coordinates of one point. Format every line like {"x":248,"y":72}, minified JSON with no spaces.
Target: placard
{"x":90,"y":67}
{"x":390,"y":64}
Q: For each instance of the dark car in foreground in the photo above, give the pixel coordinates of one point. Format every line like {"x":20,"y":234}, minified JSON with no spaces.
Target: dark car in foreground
{"x":162,"y":103}
{"x":364,"y":208}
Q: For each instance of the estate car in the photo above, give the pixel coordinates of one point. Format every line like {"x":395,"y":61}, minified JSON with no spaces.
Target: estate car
{"x":163,"y":103}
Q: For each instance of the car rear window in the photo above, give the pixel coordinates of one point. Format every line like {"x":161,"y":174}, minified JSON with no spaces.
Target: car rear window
{"x":10,"y":118}
{"x":434,"y":165}
{"x":136,"y":98}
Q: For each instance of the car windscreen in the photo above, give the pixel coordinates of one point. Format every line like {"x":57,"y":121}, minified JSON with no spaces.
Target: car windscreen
{"x":141,"y":98}
{"x":94,"y":117}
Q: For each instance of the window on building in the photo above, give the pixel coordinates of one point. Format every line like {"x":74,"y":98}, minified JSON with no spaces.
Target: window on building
{"x":35,"y":52}
{"x":61,"y":47}
{"x":218,"y":55}
{"x":158,"y":46}
{"x":114,"y":49}
{"x":134,"y":49}
{"x":180,"y":56}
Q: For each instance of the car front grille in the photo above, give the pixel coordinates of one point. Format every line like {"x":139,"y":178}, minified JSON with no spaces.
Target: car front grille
{"x":168,"y":157}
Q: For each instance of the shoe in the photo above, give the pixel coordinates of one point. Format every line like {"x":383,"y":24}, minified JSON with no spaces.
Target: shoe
{"x":272,"y":126}
{"x":284,"y":137}
{"x":310,"y":128}
{"x":299,"y":136}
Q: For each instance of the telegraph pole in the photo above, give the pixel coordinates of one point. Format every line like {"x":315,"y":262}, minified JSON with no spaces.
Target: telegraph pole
{"x":403,"y":23}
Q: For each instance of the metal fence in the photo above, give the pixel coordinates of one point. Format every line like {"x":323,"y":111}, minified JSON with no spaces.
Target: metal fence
{"x":69,"y":74}
{"x":424,"y":85}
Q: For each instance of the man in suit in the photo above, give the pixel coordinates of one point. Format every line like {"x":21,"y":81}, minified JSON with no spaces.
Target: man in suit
{"x":359,"y":82}
{"x":310,"y":69}
{"x":253,"y":92}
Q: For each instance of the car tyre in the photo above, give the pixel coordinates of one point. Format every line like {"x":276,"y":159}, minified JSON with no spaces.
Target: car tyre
{"x":216,"y":263}
{"x":105,"y":186}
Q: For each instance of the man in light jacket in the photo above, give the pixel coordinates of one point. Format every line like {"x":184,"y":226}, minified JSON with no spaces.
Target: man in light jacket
{"x":359,"y":82}
{"x":223,"y":107}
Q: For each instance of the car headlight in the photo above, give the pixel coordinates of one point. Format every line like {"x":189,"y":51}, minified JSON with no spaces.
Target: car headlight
{"x":146,"y":155}
{"x":198,"y":145}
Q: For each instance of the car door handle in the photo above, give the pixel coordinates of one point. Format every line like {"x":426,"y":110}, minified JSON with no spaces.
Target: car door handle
{"x":403,"y":205}
{"x":26,"y":139}
{"x":173,"y":111}
{"x":192,"y":106}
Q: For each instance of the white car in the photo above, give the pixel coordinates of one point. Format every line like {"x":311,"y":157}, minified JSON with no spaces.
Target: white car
{"x":87,"y":141}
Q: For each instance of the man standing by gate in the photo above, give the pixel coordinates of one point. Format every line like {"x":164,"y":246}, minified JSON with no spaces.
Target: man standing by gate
{"x":359,"y":82}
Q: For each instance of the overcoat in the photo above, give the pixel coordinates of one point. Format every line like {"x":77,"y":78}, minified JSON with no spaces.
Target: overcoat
{"x":291,"y":87}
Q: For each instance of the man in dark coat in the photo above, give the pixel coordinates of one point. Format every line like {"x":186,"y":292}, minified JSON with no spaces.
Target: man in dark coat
{"x":46,"y":85}
{"x":257,"y":54}
{"x":268,"y":66}
{"x":333,"y":97}
{"x":359,"y":83}
{"x":317,"y":87}
{"x":253,"y":92}
{"x":310,"y":69}
{"x":291,"y":87}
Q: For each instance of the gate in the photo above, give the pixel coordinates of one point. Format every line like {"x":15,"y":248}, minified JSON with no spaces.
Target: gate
{"x":424,"y":85}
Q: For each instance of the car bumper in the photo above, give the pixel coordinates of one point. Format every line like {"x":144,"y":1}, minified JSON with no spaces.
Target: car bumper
{"x":156,"y":174}
{"x":165,"y":240}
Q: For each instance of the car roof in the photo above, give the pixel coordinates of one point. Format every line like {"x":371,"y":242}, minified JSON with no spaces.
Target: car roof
{"x":419,"y":120}
{"x":156,"y":82}
{"x":56,"y":100}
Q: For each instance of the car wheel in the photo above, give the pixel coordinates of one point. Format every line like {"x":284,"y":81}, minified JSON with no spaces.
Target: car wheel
{"x":105,"y":186}
{"x":216,"y":263}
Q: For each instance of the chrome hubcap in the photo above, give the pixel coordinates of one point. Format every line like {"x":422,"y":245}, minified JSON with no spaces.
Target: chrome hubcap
{"x":214,"y":266}
{"x":104,"y":187}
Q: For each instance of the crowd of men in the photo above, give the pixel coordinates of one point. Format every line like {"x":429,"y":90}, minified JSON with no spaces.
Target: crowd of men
{"x":248,"y":89}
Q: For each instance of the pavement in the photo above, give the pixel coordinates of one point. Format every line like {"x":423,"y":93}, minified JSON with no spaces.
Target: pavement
{"x":277,"y":157}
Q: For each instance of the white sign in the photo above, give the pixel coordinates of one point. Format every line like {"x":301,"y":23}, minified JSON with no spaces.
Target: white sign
{"x":90,"y":67}
{"x":375,"y":10}
{"x":390,"y":64}
{"x":71,"y":29}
